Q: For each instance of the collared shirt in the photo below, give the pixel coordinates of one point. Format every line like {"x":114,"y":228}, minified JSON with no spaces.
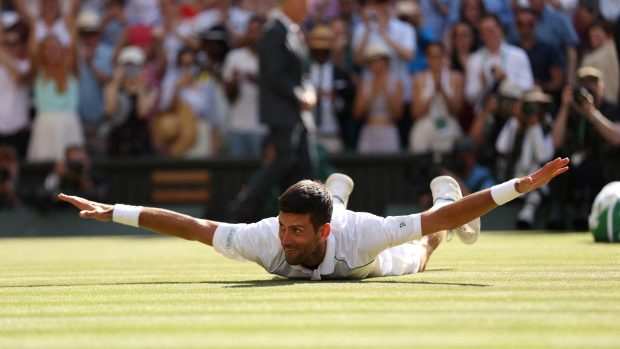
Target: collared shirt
{"x":355,"y":241}
{"x":513,"y":60}
{"x":552,"y":27}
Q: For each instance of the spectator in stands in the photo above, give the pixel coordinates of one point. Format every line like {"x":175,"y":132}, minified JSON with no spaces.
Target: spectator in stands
{"x":546,"y":64}
{"x":50,"y":20}
{"x":129,"y":101}
{"x":152,"y":45}
{"x":408,"y":11}
{"x":586,"y":14}
{"x":9,"y":170}
{"x":586,"y":128}
{"x":470,"y":12}
{"x":436,"y":104}
{"x":497,"y":110}
{"x":556,"y":29}
{"x":436,"y":15}
{"x":335,"y":91}
{"x":378,"y":103}
{"x":15,"y":81}
{"x":462,"y":46}
{"x":113,"y":23}
{"x":525,"y":141}
{"x":95,"y":69}
{"x":142,"y":12}
{"x":497,"y":61}
{"x":185,"y":87}
{"x":381,"y":27}
{"x":176,"y":31}
{"x":604,"y":57}
{"x":245,"y":134}
{"x":56,"y":97}
{"x":218,"y":13}
{"x":342,"y":52}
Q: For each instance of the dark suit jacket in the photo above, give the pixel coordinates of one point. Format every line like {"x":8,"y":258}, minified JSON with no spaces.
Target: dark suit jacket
{"x":282,"y":70}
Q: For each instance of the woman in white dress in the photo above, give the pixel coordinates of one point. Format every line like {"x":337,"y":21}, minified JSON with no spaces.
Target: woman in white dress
{"x":56,"y":124}
{"x":437,"y":99}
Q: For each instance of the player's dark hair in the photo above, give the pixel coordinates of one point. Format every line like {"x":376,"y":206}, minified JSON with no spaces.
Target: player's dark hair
{"x":308,"y":197}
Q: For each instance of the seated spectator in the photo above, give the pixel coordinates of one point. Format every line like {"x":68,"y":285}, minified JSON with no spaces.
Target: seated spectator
{"x":14,"y":79}
{"x":586,"y":128}
{"x":9,"y":170}
{"x":56,"y":96}
{"x":129,"y":102}
{"x":499,"y":107}
{"x":604,"y":57}
{"x":436,"y":105}
{"x":185,"y":86}
{"x":245,"y":134}
{"x":95,"y":69}
{"x":495,"y":62}
{"x":379,"y":104}
{"x":547,"y":67}
{"x":335,"y":92}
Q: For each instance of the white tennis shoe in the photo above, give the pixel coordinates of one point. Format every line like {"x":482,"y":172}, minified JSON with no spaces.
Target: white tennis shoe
{"x":340,"y":186}
{"x":447,"y":188}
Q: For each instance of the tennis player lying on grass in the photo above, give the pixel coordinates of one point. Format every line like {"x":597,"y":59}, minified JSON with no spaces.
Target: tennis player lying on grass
{"x":307,"y":241}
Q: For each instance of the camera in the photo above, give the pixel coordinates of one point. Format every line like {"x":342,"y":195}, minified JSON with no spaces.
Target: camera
{"x":581,"y":94}
{"x":75,"y":167}
{"x":530,"y":108}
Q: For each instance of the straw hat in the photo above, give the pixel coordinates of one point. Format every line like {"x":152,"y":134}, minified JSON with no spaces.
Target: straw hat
{"x":537,"y":95}
{"x":89,"y":21}
{"x":320,"y":37}
{"x":508,"y":89}
{"x":376,"y":50}
{"x":175,"y":131}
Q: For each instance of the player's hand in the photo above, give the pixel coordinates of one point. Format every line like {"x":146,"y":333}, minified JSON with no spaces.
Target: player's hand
{"x":89,"y":209}
{"x":543,"y":176}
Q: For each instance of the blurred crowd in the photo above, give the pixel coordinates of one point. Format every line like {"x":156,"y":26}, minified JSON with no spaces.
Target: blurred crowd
{"x":505,"y":85}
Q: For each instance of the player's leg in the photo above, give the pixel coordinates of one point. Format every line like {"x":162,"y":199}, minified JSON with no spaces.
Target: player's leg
{"x":446,"y":190}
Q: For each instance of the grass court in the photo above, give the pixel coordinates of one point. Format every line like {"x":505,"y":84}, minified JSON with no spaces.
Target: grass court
{"x":509,"y":290}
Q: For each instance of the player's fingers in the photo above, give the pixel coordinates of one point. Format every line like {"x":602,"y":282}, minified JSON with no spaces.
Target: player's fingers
{"x":90,"y":214}
{"x":560,"y":171}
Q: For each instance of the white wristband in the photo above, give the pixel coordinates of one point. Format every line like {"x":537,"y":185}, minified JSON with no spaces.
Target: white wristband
{"x":126,"y":214}
{"x":505,"y":192}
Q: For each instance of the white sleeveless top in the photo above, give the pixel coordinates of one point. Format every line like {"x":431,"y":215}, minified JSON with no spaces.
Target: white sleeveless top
{"x":439,"y":106}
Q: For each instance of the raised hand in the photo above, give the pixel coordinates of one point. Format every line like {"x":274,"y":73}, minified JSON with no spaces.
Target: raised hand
{"x":543,"y":176}
{"x":89,"y":209}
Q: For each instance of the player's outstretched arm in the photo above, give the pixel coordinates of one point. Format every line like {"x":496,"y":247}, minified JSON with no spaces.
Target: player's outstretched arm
{"x":154,"y":219}
{"x":477,"y":204}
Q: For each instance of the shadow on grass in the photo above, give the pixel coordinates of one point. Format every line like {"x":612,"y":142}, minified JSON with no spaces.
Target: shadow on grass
{"x":276,"y":282}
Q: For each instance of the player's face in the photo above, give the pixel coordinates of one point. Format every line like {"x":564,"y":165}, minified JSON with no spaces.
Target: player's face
{"x":298,"y":237}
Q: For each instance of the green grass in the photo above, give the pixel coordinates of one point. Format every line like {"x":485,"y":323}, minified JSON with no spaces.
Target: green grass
{"x":507,"y":291}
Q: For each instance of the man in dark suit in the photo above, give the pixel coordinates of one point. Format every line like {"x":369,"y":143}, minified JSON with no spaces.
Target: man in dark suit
{"x":286,"y":98}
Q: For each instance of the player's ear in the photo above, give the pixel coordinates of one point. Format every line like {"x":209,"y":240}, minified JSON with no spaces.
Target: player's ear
{"x":325,"y":229}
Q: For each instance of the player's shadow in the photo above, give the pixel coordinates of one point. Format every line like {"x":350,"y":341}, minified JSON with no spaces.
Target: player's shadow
{"x":276,"y":282}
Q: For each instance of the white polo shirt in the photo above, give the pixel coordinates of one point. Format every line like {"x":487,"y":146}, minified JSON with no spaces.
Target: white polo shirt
{"x":359,"y":246}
